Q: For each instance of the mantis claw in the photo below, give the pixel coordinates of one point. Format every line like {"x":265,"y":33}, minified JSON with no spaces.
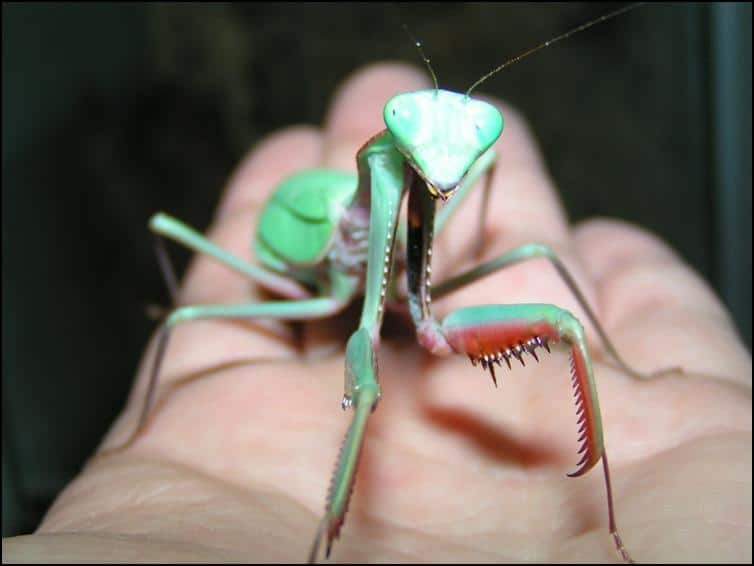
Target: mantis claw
{"x":492,"y":373}
{"x":487,"y":363}
{"x":517,"y":352}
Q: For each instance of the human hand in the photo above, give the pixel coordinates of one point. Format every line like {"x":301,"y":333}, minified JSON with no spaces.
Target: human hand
{"x":235,"y":460}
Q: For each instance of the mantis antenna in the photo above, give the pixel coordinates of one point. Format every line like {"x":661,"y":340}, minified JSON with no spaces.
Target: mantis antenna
{"x":549,"y":42}
{"x":418,"y":46}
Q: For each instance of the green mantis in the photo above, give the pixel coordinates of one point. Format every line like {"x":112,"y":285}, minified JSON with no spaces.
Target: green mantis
{"x":326,"y":237}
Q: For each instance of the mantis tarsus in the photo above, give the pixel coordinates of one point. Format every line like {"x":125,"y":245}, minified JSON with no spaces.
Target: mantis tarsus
{"x":326,"y":237}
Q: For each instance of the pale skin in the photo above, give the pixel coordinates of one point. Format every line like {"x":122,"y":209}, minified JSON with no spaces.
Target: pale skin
{"x":235,"y":460}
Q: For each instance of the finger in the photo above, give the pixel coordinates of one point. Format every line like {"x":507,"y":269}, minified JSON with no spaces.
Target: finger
{"x":277,"y":156}
{"x":659,"y":311}
{"x":524,"y":199}
{"x":356,"y":111}
{"x":234,"y":228}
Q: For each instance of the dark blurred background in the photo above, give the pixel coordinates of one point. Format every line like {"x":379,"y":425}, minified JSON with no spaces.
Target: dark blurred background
{"x":114,"y":111}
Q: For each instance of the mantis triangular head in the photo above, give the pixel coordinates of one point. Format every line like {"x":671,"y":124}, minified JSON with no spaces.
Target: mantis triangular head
{"x":441,"y":134}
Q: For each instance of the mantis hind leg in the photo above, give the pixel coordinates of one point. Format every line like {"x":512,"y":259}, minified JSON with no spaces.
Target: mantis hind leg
{"x":532,"y":251}
{"x":163,"y":225}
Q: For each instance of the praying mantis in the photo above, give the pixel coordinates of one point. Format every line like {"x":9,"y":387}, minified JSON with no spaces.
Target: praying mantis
{"x":326,"y":237}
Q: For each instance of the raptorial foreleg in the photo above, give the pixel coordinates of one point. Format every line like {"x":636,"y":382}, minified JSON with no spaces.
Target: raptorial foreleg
{"x":493,"y":335}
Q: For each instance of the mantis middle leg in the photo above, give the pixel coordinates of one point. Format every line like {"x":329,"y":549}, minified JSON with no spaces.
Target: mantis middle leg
{"x":300,"y":305}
